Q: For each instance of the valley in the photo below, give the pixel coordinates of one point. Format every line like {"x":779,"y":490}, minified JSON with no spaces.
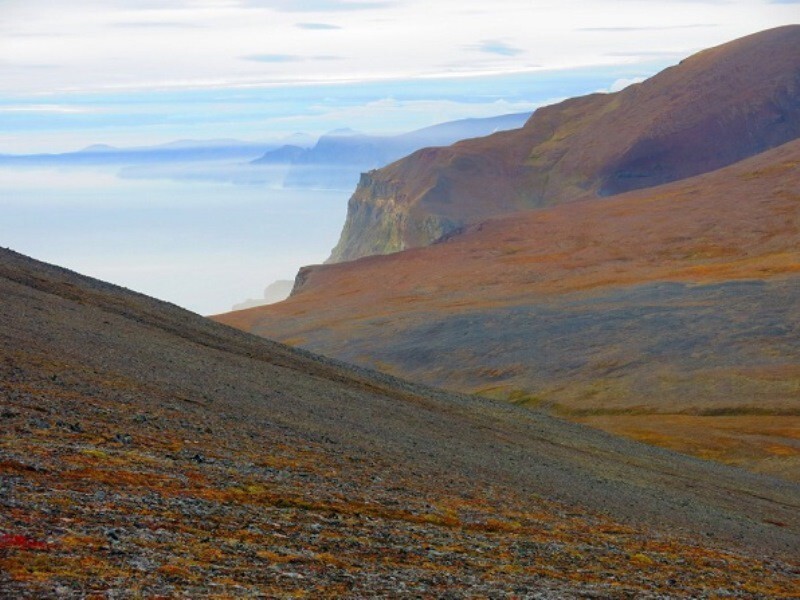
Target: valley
{"x":679,"y":299}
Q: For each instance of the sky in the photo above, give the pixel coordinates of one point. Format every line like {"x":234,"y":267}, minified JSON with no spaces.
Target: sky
{"x":137,"y":72}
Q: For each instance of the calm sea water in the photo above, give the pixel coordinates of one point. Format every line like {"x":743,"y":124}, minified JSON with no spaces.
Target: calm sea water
{"x":202,"y":245}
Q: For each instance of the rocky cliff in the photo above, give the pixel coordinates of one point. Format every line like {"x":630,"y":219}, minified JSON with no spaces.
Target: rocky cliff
{"x":713,"y":109}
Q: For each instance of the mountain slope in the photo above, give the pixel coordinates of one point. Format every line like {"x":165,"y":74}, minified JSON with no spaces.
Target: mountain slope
{"x":711,"y":110}
{"x":680,"y":299}
{"x":146,"y":450}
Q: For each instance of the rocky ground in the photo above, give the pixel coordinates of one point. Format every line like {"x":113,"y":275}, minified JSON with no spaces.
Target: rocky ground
{"x":147,"y":452}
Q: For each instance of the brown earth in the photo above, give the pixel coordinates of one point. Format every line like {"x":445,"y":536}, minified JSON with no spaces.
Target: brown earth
{"x":713,"y":109}
{"x":680,"y":299}
{"x":148,"y":452}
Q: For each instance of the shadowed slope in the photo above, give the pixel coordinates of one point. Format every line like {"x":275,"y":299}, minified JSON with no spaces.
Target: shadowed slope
{"x":684,"y":297}
{"x":148,"y":450}
{"x":713,"y":109}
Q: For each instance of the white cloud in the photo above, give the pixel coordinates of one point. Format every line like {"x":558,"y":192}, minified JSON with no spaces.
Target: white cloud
{"x":45,"y":108}
{"x":320,"y":6}
{"x":101,"y":56}
{"x":124,"y":43}
{"x":317,"y":26}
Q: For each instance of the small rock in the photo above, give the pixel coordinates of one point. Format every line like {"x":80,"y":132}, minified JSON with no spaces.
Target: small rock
{"x":144,"y":564}
{"x":74,"y":427}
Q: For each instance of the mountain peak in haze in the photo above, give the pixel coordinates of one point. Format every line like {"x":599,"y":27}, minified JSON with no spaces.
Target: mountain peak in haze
{"x":713,"y":109}
{"x":299,"y":138}
{"x":98,"y":148}
{"x":343,"y":132}
{"x":339,"y":157}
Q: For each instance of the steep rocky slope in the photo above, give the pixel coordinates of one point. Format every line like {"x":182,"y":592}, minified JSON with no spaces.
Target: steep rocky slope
{"x":713,"y":109}
{"x":682,"y":299}
{"x":146,"y":451}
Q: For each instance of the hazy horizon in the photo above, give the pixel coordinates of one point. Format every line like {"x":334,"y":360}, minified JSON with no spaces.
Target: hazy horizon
{"x":204,"y":245}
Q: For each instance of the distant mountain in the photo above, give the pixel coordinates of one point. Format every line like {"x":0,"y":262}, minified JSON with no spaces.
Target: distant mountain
{"x":339,"y":157}
{"x":172,"y":152}
{"x":285,"y":155}
{"x":98,"y":148}
{"x":714,"y":108}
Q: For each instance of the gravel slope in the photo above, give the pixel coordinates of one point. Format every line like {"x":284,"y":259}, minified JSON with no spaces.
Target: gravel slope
{"x":165,"y":412}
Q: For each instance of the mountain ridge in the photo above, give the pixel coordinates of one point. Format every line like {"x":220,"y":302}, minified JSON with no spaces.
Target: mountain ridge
{"x":338,"y":157}
{"x":714,"y":108}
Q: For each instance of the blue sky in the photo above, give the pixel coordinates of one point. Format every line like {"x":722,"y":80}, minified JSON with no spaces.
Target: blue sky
{"x":131,"y":72}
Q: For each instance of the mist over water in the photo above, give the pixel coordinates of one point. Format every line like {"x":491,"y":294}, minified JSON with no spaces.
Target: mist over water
{"x":200,"y":243}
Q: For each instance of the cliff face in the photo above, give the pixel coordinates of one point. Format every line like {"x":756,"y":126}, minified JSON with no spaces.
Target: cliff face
{"x":373,"y":209}
{"x":711,"y":110}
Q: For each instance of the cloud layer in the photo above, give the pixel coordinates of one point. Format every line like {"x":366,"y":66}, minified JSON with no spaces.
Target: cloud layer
{"x":111,"y":58}
{"x":129,"y":44}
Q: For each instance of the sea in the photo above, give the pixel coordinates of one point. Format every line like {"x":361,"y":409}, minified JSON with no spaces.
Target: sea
{"x":204,"y":245}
